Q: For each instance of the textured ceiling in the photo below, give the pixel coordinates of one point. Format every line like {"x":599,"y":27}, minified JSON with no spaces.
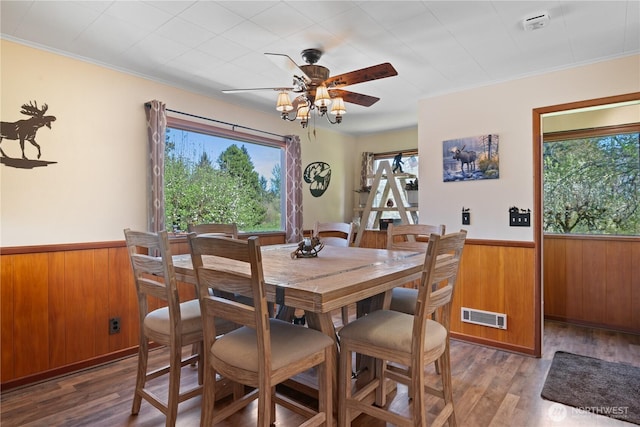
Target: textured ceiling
{"x":436,"y":47}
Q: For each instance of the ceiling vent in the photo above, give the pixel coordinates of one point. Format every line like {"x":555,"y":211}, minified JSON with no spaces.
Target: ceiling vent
{"x":536,"y":21}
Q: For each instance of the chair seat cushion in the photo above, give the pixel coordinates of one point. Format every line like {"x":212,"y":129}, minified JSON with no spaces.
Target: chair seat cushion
{"x":404,"y":300}
{"x":289,"y":343}
{"x":392,"y":330}
{"x":158,"y":320}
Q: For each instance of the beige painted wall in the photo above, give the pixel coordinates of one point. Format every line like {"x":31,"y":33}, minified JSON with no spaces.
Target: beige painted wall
{"x":98,"y":185}
{"x":505,"y":109}
{"x":616,"y":115}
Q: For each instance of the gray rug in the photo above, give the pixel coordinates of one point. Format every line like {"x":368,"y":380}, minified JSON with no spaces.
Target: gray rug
{"x":594,"y":385}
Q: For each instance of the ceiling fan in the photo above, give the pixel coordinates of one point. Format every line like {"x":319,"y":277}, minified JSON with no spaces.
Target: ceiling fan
{"x":317,"y":90}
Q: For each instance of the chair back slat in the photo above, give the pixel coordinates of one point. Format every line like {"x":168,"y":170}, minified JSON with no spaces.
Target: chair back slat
{"x":334,"y":233}
{"x":221,"y":246}
{"x":405,"y":236}
{"x":153,"y":288}
{"x":439,"y":298}
{"x":226,"y":281}
{"x":225,"y":230}
{"x":233,"y":311}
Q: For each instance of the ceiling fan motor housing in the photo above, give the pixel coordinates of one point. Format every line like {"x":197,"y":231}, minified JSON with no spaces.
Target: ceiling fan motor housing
{"x":317,"y":73}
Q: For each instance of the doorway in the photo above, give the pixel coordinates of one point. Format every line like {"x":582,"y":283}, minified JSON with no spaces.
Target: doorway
{"x":538,"y":122}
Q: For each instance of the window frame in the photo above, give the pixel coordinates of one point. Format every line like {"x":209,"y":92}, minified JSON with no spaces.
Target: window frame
{"x":241,"y":137}
{"x":573,"y":134}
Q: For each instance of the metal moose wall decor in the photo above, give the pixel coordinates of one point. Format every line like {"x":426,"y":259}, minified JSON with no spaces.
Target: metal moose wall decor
{"x":25,"y":130}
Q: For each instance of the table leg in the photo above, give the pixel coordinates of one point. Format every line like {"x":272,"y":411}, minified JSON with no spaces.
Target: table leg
{"x":324,"y":323}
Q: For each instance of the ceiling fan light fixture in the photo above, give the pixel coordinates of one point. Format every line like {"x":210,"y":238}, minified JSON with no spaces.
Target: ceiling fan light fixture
{"x":303,"y":115}
{"x":284,"y":102}
{"x":311,"y":83}
{"x":323,"y":100}
{"x":338,"y":107}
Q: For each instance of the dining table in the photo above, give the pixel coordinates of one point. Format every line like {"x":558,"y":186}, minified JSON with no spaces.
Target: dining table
{"x":334,"y":278}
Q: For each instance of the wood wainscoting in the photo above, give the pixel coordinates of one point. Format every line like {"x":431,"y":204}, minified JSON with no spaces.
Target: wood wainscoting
{"x":593,"y":281}
{"x":56,"y":302}
{"x":495,"y":276}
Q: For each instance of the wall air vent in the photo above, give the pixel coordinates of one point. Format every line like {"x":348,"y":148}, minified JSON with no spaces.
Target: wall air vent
{"x":485,"y":318}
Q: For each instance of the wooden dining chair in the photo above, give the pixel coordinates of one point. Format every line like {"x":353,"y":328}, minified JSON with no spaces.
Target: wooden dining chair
{"x":336,"y":234}
{"x":227,"y":230}
{"x":176,"y":325}
{"x":403,"y":344}
{"x":264,"y":351}
{"x":219,"y":229}
{"x":405,"y":237}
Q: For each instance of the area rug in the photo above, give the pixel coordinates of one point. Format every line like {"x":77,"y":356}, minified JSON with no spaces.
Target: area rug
{"x":594,"y":385}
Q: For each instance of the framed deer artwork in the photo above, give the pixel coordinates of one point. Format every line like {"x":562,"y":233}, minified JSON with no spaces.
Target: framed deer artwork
{"x":25,"y":130}
{"x":472,"y":158}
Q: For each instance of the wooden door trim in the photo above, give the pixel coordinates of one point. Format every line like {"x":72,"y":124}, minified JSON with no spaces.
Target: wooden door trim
{"x":537,"y":192}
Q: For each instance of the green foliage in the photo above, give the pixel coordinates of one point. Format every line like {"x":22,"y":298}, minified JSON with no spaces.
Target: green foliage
{"x":276,"y":180}
{"x":591,"y":185}
{"x":232,"y":192}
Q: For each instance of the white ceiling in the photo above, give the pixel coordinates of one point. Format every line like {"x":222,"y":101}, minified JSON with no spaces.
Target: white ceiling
{"x":436,"y":47}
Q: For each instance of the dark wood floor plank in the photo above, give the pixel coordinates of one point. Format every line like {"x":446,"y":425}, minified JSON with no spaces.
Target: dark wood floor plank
{"x":491,"y":388}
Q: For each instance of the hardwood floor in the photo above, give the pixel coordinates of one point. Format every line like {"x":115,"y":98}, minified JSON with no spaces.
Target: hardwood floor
{"x":491,"y":388}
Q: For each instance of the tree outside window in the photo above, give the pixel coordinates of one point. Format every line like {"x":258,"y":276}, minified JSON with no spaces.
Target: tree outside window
{"x":214,"y":179}
{"x":592,"y":185}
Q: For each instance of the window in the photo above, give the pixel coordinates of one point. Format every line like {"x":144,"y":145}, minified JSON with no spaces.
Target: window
{"x":216,"y":176}
{"x":592,"y":182}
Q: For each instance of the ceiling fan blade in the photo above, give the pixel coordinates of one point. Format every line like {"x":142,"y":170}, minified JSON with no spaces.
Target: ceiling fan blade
{"x":354,"y":98}
{"x":286,"y":63}
{"x":375,"y":72}
{"x":277,"y":89}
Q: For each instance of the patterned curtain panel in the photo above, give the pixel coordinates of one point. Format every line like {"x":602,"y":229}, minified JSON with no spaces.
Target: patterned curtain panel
{"x":366,"y":170}
{"x":293,"y":228}
{"x":156,"y":129}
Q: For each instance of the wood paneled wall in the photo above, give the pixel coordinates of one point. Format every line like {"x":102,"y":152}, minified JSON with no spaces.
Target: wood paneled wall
{"x":593,"y":280}
{"x":56,"y":302}
{"x":56,"y":308}
{"x":495,"y":276}
{"x":498,"y":277}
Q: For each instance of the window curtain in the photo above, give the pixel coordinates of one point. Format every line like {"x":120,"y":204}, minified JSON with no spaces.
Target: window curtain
{"x":156,"y":129}
{"x":293,"y":228}
{"x":366,"y":169}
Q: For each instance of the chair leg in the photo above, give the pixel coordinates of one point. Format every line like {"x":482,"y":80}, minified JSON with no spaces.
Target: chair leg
{"x":175,"y":366}
{"x":344,"y":386}
{"x":141,"y":377}
{"x":194,"y":350}
{"x":200,"y":362}
{"x":272,"y":410}
{"x":345,"y":315}
{"x":447,"y":388}
{"x":325,"y":384}
{"x":208,"y":397}
{"x":265,"y":403}
{"x":238,"y":391}
{"x":381,"y":395}
{"x":417,"y":389}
